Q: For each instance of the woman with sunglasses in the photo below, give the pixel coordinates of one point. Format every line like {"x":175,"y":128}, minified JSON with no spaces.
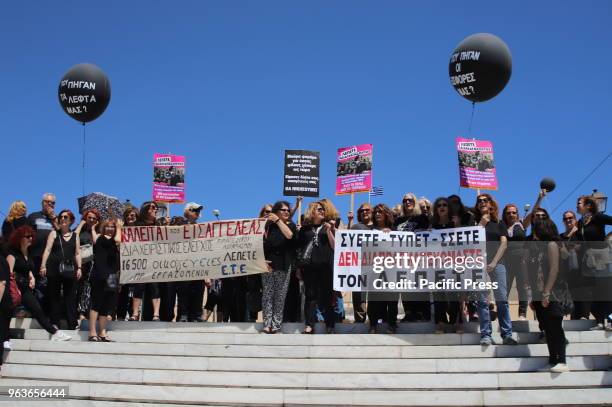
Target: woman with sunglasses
{"x":21,"y":265}
{"x":446,"y":304}
{"x":383,"y":305}
{"x":106,"y":268}
{"x":61,"y":264}
{"x":90,"y":219}
{"x":569,"y":259}
{"x":279,"y":248}
{"x":126,"y":291}
{"x":364,"y":222}
{"x":150,"y":291}
{"x":416,"y":305}
{"x":514,"y":258}
{"x":497,"y":241}
{"x":316,"y":247}
{"x":425,"y":205}
{"x":595,"y":258}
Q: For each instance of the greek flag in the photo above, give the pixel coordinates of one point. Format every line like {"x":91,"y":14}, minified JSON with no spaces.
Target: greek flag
{"x":376,"y":191}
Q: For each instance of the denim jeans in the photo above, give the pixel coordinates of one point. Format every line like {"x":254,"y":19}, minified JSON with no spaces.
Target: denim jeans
{"x":503,"y":310}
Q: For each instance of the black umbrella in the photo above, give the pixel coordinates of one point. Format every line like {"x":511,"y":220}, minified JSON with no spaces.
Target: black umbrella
{"x":108,"y":206}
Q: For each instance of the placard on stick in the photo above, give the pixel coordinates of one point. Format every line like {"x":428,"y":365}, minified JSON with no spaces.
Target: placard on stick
{"x":301,"y":175}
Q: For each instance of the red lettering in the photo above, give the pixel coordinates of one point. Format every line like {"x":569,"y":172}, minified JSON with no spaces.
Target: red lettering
{"x":348,"y":259}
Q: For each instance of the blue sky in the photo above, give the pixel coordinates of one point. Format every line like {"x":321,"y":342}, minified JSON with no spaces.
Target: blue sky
{"x":232,"y":84}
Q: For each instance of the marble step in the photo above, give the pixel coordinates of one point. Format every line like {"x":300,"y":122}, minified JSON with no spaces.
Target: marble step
{"x":316,"y":352}
{"x":319,"y":340}
{"x":230,"y":364}
{"x":253,"y":328}
{"x":249,"y":396}
{"x":285,"y":380}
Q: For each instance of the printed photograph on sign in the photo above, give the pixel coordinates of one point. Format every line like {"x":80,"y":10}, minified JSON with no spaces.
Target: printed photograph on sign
{"x":354,"y":169}
{"x":169,"y":178}
{"x":476,"y":164}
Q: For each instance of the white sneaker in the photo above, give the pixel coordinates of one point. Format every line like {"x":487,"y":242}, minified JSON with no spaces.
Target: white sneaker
{"x":60,"y":336}
{"x":559,"y":368}
{"x":598,"y":327}
{"x":7,"y":345}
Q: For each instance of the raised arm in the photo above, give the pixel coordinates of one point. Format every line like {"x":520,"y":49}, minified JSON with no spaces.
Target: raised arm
{"x":529,"y":218}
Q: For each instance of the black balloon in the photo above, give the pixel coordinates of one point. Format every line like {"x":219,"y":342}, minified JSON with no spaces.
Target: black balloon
{"x":548,"y":184}
{"x":84,"y":92}
{"x":480,"y":67}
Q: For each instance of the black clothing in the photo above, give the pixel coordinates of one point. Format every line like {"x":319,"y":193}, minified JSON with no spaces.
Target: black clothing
{"x":62,"y":251}
{"x":322,"y":252}
{"x":9,"y":227}
{"x":494,"y":232}
{"x":22,"y":267}
{"x":43,"y":225}
{"x":233,"y":297}
{"x":29,"y":301}
{"x":595,"y":230}
{"x":552,"y":324}
{"x":62,"y":290}
{"x":102,"y":301}
{"x":106,"y":258}
{"x":411,"y":223}
{"x":190,"y":298}
{"x":277,"y":248}
{"x":359,"y":298}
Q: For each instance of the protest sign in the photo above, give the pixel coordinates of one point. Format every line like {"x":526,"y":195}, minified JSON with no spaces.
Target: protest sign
{"x":476,"y":165}
{"x":192,"y":252}
{"x":354,"y":169}
{"x":168,"y":178}
{"x":301,"y":176}
{"x":436,"y":260}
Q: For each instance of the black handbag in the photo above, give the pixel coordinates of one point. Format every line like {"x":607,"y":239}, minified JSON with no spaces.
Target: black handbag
{"x":66,"y":267}
{"x":304,"y":254}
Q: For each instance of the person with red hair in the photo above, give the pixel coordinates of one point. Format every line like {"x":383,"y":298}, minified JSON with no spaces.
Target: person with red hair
{"x":90,"y":219}
{"x":21,"y":264}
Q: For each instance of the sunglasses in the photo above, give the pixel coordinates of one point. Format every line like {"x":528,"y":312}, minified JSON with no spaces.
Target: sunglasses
{"x":408,"y":200}
{"x":483,"y":200}
{"x":50,"y":203}
{"x":64,"y":217}
{"x":267,"y":211}
{"x":153,"y":207}
{"x":320,"y":210}
{"x":364,"y":210}
{"x":378,"y":211}
{"x":511,"y":213}
{"x":195,"y":210}
{"x":284,"y":210}
{"x":541,"y":216}
{"x":567,"y":219}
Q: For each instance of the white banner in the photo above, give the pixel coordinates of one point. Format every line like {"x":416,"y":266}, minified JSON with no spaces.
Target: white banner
{"x":436,"y":260}
{"x":192,"y":252}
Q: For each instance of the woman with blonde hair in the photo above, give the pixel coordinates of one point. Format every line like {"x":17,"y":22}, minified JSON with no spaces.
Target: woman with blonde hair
{"x":315,"y":260}
{"x":16,"y":218}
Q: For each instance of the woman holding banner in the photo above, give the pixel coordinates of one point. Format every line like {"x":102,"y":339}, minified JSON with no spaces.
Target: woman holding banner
{"x":383,"y":305}
{"x":497,"y":242}
{"x":316,"y":261}
{"x":364,"y":222}
{"x":417,"y":308}
{"x":279,"y":248}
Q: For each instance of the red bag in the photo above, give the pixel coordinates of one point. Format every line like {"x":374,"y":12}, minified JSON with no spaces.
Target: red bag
{"x":14,"y":291}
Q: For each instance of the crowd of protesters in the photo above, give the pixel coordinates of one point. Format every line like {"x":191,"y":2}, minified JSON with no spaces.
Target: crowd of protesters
{"x":55,"y":270}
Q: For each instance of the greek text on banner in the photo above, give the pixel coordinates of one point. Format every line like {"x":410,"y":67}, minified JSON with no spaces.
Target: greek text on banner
{"x":192,"y":252}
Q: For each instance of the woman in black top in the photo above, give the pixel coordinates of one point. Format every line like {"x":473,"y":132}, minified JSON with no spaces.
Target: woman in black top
{"x":592,"y":232}
{"x":316,"y":246}
{"x":446,"y":304}
{"x":383,"y":305}
{"x":514,"y":258}
{"x":90,"y":219}
{"x":578,"y":284}
{"x":16,"y":218}
{"x":21,"y":266}
{"x":549,"y":290}
{"x":62,"y":248}
{"x":106,"y":264}
{"x":279,"y":248}
{"x":364,"y":222}
{"x":416,"y":305}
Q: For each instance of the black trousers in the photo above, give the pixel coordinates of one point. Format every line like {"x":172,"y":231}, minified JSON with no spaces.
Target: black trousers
{"x":62,"y":291}
{"x":293,"y":301}
{"x":233,"y":297}
{"x":383,"y":307}
{"x":168,"y":293}
{"x":318,"y":283}
{"x":359,"y":311}
{"x":516,"y":269}
{"x":416,"y":306}
{"x":446,"y":308}
{"x":190,"y":298}
{"x":552,"y":323}
{"x":214,"y":299}
{"x":28,"y":300}
{"x":124,"y":302}
{"x":602,"y":296}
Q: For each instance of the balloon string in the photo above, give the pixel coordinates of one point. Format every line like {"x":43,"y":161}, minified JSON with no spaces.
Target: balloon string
{"x":83,"y":176}
{"x":471,"y":119}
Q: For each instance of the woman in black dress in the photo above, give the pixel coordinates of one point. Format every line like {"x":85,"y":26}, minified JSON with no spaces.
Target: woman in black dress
{"x":90,"y":219}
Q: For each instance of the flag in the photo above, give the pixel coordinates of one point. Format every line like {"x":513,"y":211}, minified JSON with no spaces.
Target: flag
{"x":376,"y":191}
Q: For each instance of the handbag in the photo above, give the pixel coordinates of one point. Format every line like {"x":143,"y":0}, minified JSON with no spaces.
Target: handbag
{"x":112,"y":282}
{"x":66,"y":267}
{"x":87,"y":253}
{"x":304,"y":255}
{"x":14,"y":291}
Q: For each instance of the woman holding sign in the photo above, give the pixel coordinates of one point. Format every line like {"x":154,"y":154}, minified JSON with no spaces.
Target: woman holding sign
{"x":497,"y":242}
{"x":279,"y":248}
{"x":316,"y":261}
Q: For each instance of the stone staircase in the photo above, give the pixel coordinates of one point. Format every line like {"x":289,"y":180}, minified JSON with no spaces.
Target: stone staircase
{"x":158,"y":363}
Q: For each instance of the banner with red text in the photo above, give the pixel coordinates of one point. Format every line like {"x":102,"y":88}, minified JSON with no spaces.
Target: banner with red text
{"x":192,"y":252}
{"x":168,"y":178}
{"x":354,"y":169}
{"x":476,"y":165}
